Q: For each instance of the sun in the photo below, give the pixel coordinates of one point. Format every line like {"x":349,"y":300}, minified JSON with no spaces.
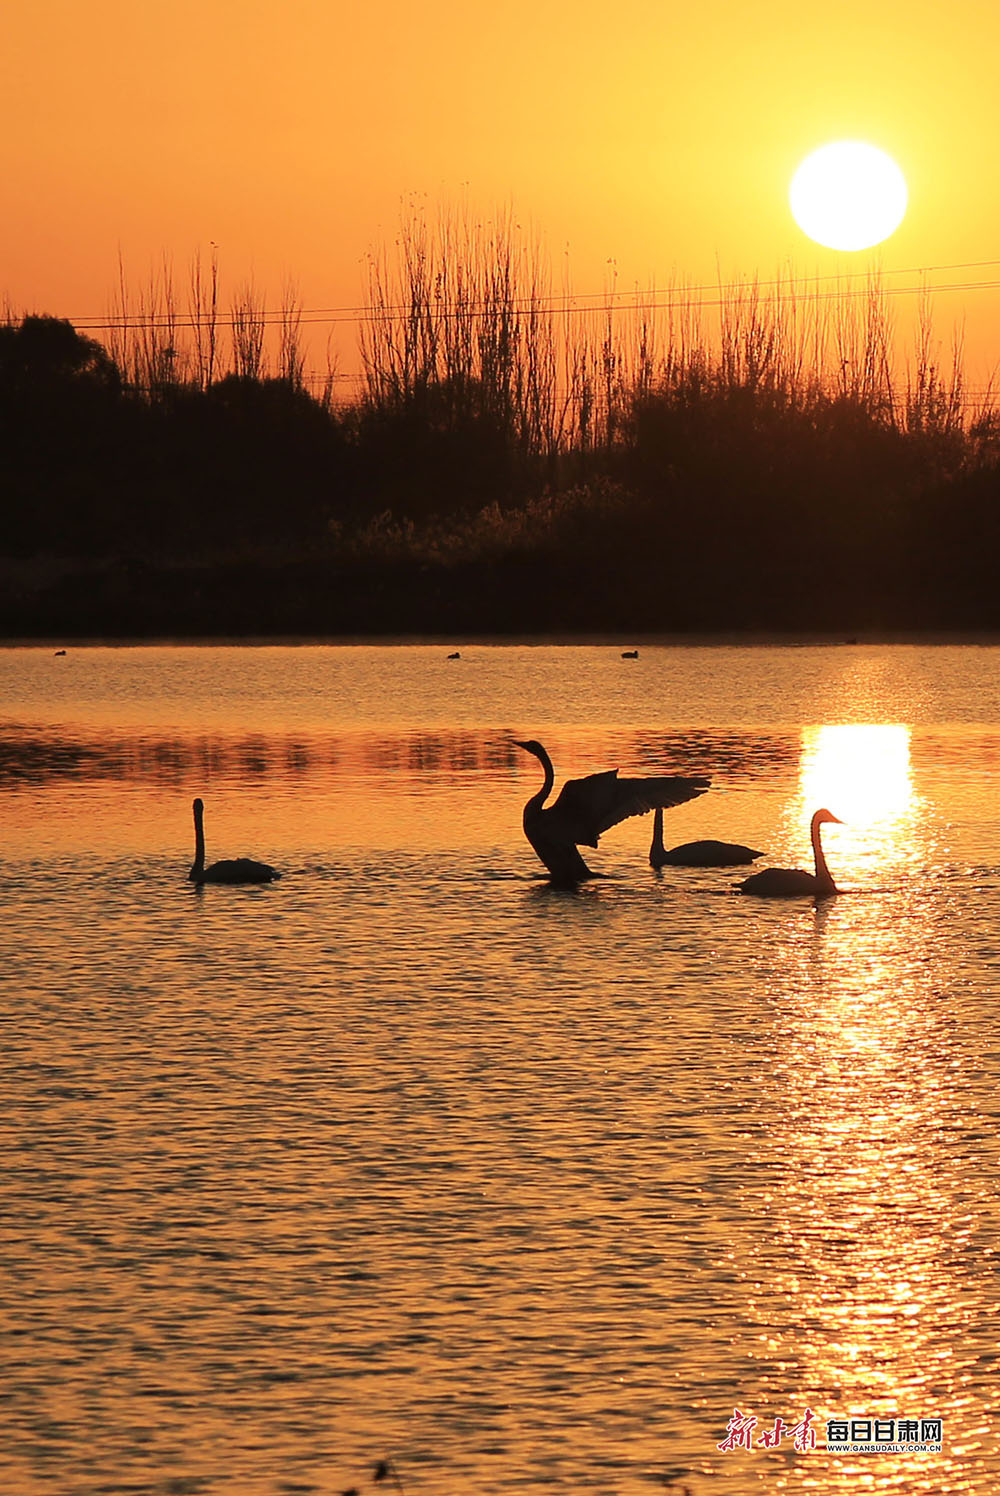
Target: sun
{"x":848,"y":195}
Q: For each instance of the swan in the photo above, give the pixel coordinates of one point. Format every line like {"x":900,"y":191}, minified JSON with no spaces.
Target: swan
{"x":455,"y":656}
{"x":630,"y":654}
{"x":587,"y":807}
{"x":786,"y":882}
{"x":696,"y":854}
{"x":238,"y":870}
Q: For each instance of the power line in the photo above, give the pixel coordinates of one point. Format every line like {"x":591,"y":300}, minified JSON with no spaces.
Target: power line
{"x":567,"y":303}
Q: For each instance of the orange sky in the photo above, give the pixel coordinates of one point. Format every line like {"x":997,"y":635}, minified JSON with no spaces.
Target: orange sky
{"x":289,"y":131}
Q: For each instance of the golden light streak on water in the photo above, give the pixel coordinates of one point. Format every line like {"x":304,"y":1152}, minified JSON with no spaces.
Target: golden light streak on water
{"x":861,"y":768}
{"x":874,"y":1214}
{"x":862,"y":772}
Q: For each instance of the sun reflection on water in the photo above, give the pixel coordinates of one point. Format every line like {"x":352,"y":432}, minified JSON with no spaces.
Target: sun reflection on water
{"x":863,"y":768}
{"x":862,"y":772}
{"x":871,"y":1197}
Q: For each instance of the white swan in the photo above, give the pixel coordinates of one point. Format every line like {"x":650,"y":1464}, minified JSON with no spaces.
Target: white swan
{"x":238,"y":870}
{"x":786,"y":882}
{"x":587,"y":807}
{"x":697,"y":853}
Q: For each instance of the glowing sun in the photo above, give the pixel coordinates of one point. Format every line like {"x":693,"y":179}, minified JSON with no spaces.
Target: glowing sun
{"x":848,"y":195}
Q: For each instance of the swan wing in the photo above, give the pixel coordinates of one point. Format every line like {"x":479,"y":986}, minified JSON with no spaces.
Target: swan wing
{"x":637,"y":797}
{"x":576,"y":813}
{"x":587,"y":807}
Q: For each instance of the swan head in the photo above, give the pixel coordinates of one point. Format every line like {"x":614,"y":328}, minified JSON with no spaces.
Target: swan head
{"x":531,"y":746}
{"x":822,"y":816}
{"x":198,"y":806}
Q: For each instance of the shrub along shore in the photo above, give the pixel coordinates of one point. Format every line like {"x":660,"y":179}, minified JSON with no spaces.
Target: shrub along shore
{"x":508,"y":467}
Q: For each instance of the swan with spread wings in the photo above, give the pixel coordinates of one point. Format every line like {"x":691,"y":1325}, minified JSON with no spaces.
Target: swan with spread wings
{"x":585,"y":808}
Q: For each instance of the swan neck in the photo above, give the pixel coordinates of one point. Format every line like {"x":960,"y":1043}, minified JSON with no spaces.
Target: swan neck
{"x":198,"y":866}
{"x":537,"y":801}
{"x":823,"y":874}
{"x":657,"y":848}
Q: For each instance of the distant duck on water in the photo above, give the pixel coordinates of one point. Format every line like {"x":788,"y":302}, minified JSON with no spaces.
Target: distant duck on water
{"x":630,"y":654}
{"x":237,"y":870}
{"x":697,"y":853}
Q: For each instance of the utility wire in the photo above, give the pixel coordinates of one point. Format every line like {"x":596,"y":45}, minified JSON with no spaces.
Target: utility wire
{"x":790,"y":288}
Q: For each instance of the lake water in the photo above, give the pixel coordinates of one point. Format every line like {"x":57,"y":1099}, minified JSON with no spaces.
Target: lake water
{"x":407,"y":1157}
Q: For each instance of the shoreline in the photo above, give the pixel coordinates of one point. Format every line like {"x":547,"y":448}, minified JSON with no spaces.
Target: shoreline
{"x":723,"y":639}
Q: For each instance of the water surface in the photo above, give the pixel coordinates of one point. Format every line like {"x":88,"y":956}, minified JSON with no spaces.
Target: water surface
{"x":408,"y":1157}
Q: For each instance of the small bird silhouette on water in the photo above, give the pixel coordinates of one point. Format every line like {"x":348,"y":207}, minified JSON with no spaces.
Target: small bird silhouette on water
{"x":630,"y":654}
{"x":455,"y":656}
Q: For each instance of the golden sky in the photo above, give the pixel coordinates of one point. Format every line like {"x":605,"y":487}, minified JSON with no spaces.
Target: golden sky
{"x":660,"y":137}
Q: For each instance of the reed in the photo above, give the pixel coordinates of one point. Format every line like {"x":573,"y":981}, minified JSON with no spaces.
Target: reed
{"x":161,"y":348}
{"x":459,"y":322}
{"x":461,"y":326}
{"x":291,"y":356}
{"x":462,"y":331}
{"x":203,"y":303}
{"x":547,"y":524}
{"x":143,"y":331}
{"x":247,"y":324}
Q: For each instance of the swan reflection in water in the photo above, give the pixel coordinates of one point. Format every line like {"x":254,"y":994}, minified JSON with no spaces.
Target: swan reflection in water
{"x":788,"y":883}
{"x":236,"y":870}
{"x":587,"y":807}
{"x":697,"y":853}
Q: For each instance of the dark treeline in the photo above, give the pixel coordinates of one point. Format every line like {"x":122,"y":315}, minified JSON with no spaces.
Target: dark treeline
{"x":507,"y":467}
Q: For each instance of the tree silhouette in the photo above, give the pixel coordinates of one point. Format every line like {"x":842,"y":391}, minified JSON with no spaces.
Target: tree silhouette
{"x":42,"y":353}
